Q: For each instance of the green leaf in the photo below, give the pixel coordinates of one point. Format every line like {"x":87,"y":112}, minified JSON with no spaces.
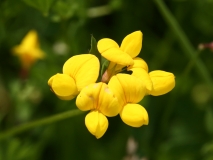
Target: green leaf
{"x":93,"y":49}
{"x":42,"y":5}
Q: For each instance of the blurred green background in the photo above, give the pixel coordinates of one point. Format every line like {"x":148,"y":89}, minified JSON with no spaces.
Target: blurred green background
{"x":181,"y":122}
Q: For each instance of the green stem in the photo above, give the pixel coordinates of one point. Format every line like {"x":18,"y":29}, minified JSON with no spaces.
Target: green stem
{"x":48,"y":120}
{"x":190,"y":65}
{"x":184,"y":42}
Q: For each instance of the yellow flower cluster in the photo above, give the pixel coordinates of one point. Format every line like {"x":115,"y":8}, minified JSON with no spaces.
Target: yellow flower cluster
{"x":117,"y":93}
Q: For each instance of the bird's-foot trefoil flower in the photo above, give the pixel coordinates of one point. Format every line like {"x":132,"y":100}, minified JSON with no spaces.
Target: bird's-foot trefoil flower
{"x":122,"y":56}
{"x":29,"y":51}
{"x":130,"y":90}
{"x":114,"y":93}
{"x":101,"y":102}
{"x":78,"y":72}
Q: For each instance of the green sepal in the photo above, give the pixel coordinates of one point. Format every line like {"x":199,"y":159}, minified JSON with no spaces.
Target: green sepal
{"x":94,"y":50}
{"x":104,"y":63}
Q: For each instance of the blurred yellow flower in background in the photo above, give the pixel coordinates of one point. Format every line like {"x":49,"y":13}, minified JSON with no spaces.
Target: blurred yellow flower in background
{"x":29,"y":51}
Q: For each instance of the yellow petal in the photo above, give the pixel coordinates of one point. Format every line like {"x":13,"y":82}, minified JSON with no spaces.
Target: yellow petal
{"x":96,"y":123}
{"x":163,"y":82}
{"x":118,"y":56}
{"x":127,"y":88}
{"x":85,"y":100}
{"x":139,"y":63}
{"x":144,"y":76}
{"x":83,"y":68}
{"x":63,"y":86}
{"x":98,"y":97}
{"x":134,"y":115}
{"x":107,"y":102}
{"x":140,"y":70}
{"x":116,"y":87}
{"x":51,"y":80}
{"x":132,"y":43}
{"x":105,"y":44}
{"x":31,"y":39}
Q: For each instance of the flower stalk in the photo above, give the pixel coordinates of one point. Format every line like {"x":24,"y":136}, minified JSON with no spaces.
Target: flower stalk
{"x":40,"y":122}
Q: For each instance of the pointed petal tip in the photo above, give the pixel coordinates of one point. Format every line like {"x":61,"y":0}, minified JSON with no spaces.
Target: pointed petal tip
{"x":132,"y":43}
{"x":137,"y":33}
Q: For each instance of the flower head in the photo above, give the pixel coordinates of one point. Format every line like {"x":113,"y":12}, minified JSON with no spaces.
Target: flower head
{"x":78,"y":72}
{"x":28,"y":51}
{"x":123,"y":91}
